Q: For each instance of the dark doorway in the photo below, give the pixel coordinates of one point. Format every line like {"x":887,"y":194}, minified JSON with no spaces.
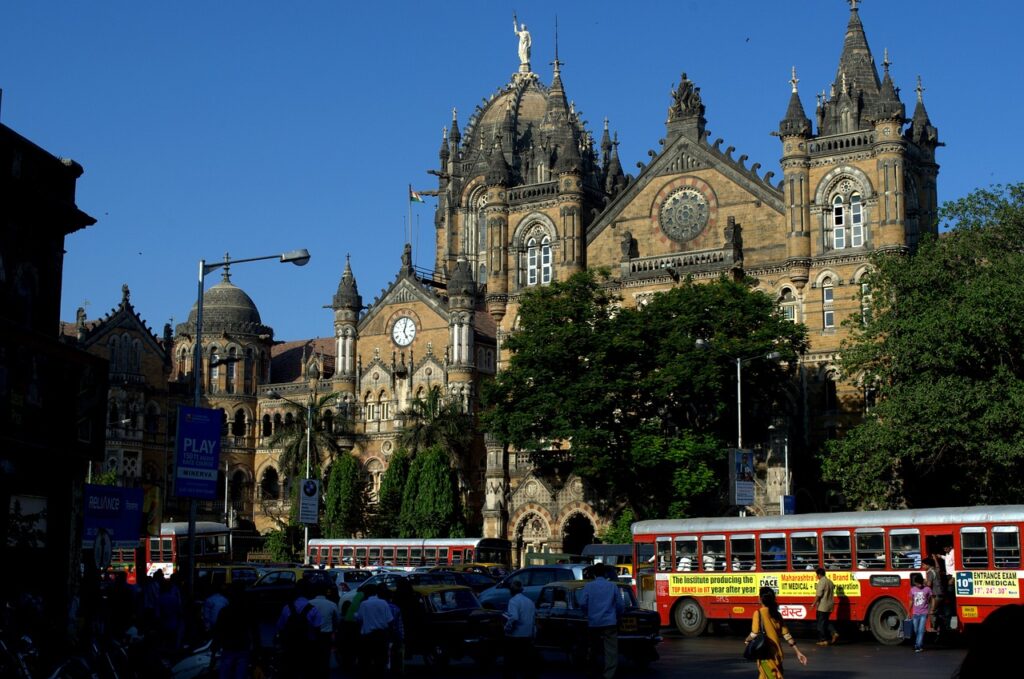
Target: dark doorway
{"x":579,"y":532}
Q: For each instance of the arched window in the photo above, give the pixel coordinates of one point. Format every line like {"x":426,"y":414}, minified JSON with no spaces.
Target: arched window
{"x":270,"y":485}
{"x":838,"y":223}
{"x":374,"y":472}
{"x":531,"y":261}
{"x":238,"y":425}
{"x":237,"y":486}
{"x":371,"y":407}
{"x":247,"y":373}
{"x":223,"y":424}
{"x":787,"y":304}
{"x":383,"y":404}
{"x":828,"y":314}
{"x":289,"y":420}
{"x":230,"y":369}
{"x":214,"y":372}
{"x":856,"y":221}
{"x":267,"y":428}
{"x":277,"y":422}
{"x":482,"y":275}
{"x":327,"y":421}
{"x":545,"y":260}
{"x":865,"y":302}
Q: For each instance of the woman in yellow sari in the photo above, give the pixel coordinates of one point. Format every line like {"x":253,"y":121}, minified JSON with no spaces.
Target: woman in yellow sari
{"x":775,"y":630}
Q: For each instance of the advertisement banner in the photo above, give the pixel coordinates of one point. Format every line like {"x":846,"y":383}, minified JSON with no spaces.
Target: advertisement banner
{"x":309,"y":502}
{"x":741,"y":477}
{"x":112,"y":517}
{"x":785,"y":584}
{"x":197,"y":452}
{"x":989,"y":584}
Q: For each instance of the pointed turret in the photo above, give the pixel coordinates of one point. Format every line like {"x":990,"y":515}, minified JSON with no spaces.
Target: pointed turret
{"x":855,"y":92}
{"x":795,"y":123}
{"x":443,"y":153}
{"x":454,"y":137}
{"x":347,"y":296}
{"x":856,"y":62}
{"x":889,"y":105}
{"x":921,"y":130}
{"x":616,"y":179}
{"x":606,"y":147}
{"x":498,"y":171}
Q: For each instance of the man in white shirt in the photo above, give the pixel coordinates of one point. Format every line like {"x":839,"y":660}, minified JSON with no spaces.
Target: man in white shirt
{"x":328,"y":623}
{"x":947,"y":556}
{"x":519,"y":632}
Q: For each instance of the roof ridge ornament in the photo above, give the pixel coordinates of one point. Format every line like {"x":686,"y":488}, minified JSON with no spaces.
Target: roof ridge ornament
{"x":853,"y":5}
{"x":920,"y":90}
{"x":794,"y":80}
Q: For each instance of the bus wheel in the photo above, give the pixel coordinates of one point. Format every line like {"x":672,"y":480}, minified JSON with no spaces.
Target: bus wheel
{"x":690,"y":618}
{"x":885,"y":619}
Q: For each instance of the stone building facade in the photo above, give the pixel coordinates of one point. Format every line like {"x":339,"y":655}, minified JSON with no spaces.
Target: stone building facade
{"x":526,"y":195}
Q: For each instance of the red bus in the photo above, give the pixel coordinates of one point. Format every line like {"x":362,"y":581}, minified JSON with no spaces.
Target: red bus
{"x":408,"y":552}
{"x":169,"y":552}
{"x":711,"y":568}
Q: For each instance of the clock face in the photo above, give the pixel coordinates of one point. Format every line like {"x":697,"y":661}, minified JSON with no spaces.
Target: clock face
{"x":684,"y":215}
{"x":404,"y":331}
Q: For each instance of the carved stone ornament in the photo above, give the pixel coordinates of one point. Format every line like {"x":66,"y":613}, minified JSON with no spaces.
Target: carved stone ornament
{"x":684,"y":215}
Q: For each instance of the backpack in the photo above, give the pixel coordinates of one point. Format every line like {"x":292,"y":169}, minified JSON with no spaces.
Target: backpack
{"x":295,"y":634}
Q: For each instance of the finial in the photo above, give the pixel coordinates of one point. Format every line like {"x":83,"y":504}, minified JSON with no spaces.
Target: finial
{"x":444,"y":133}
{"x":556,"y":63}
{"x":455,"y":113}
{"x":125,"y":294}
{"x":920,"y":90}
{"x":885,"y":59}
{"x":606,"y":123}
{"x":794,"y":80}
{"x":853,"y":5}
{"x":226,"y":276}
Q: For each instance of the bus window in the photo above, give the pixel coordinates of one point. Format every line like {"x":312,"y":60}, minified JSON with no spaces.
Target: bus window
{"x":836,"y":546}
{"x":442,"y":555}
{"x":773,"y":552}
{"x":374,"y":555}
{"x":335,"y":556}
{"x":742,"y":552}
{"x":154,"y":549}
{"x":870,"y":549}
{"x":470,"y":556}
{"x":686,"y":552}
{"x":430,"y":555}
{"x":713,"y":551}
{"x":388,"y":553}
{"x":361,"y":556}
{"x":415,"y":556}
{"x":346,"y":556}
{"x":663,"y":548}
{"x":973,"y":547}
{"x":1006,"y":544}
{"x":905,"y":548}
{"x":805,"y":551}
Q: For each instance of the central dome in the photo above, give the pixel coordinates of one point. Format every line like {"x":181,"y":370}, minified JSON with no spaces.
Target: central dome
{"x":226,"y":307}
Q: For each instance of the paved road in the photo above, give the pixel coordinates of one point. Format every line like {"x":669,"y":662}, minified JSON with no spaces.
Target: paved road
{"x":720,"y":656}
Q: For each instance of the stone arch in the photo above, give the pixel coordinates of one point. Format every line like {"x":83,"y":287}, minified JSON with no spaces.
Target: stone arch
{"x":574,"y":534}
{"x":373,"y":471}
{"x":270,"y":484}
{"x":830,"y":181}
{"x":826,"y":273}
{"x":531,"y":531}
{"x":535,"y":224}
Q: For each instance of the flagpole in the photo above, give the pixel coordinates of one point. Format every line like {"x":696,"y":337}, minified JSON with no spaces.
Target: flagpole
{"x":408,"y":225}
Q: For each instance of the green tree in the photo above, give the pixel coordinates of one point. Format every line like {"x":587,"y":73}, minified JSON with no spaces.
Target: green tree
{"x":644,"y":410}
{"x":943,"y":347}
{"x":282,"y":546}
{"x":620,"y":532}
{"x":290,"y":439}
{"x":386,"y":522}
{"x":430,"y":507}
{"x":435,"y":420}
{"x":344,"y":501}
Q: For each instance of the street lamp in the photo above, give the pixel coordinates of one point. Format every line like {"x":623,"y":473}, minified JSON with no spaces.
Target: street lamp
{"x":296,"y":257}
{"x":309,"y":435}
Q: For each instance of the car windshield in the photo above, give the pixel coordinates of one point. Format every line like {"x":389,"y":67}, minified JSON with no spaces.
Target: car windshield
{"x":453,"y":600}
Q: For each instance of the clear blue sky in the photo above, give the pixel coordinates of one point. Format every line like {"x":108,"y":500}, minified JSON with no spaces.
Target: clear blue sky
{"x":258,"y":127}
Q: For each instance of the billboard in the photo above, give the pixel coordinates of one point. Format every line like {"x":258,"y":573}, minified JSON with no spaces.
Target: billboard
{"x":309,"y":501}
{"x":197,"y":452}
{"x":112,"y":517}
{"x":741,"y":477}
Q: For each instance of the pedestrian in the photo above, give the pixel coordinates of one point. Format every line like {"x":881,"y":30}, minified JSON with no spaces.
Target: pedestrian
{"x":413,"y":615}
{"x":768,"y":619}
{"x":601,"y":601}
{"x":149,"y":602}
{"x":824,"y":603}
{"x":171,"y":615}
{"x":328,"y":625}
{"x":348,"y":630}
{"x":212,"y":607}
{"x":520,"y":629}
{"x":921,"y":605}
{"x":948,"y":557}
{"x":374,"y":617}
{"x":298,"y":630}
{"x":121,"y":604}
{"x":935,"y":579}
{"x":235,"y":634}
{"x":396,"y":635}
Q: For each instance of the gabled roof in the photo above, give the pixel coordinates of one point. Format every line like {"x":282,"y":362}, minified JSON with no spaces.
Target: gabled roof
{"x":287,"y":358}
{"x":681,"y":155}
{"x":407,"y":287}
{"x":122,"y":317}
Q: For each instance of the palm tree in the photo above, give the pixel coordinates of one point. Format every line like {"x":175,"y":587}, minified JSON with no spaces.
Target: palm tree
{"x":438,"y":421}
{"x":323,"y":439}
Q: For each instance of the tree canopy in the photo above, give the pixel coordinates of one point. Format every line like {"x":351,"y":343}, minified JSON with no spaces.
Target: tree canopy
{"x":344,"y":501}
{"x":430,"y":506}
{"x":944,"y":347}
{"x":644,"y":410}
{"x":386,"y":521}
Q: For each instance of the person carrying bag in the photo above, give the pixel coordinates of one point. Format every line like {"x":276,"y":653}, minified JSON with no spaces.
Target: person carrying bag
{"x":767,"y":651}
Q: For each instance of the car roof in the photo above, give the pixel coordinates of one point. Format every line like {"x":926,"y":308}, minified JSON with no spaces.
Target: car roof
{"x":579,"y":584}
{"x":428,"y":589}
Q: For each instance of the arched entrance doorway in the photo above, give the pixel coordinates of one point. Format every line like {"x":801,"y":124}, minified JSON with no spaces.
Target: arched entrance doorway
{"x":532,"y":535}
{"x":577,"y":533}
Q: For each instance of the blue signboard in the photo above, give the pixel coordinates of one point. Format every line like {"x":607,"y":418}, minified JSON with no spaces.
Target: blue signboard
{"x":789,"y":504}
{"x":112,"y":517}
{"x":198,"y":452}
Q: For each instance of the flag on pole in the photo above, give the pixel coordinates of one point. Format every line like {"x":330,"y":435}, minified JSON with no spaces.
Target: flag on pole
{"x":415,"y":197}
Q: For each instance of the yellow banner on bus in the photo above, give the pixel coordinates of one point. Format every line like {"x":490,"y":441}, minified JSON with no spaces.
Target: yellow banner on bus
{"x":747,"y":584}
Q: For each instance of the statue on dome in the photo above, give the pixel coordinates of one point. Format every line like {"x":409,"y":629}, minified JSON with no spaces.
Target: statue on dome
{"x":524,"y":42}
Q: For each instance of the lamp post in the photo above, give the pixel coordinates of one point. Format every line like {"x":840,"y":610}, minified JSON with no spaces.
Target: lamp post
{"x":296,"y":257}
{"x":309,"y":436}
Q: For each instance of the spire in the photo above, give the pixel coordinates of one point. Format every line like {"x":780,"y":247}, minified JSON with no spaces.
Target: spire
{"x":856,"y":62}
{"x":454,"y":137}
{"x":497,"y":167}
{"x":347,"y":296}
{"x":443,"y":154}
{"x":889,"y":105}
{"x":615,"y":179}
{"x":606,"y":145}
{"x":855,"y":91}
{"x":796,"y":122}
{"x":921,"y":130}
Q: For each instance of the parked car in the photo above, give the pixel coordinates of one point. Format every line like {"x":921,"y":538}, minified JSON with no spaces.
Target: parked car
{"x":495,"y":570}
{"x":389,"y":579}
{"x":562,"y":624}
{"x":210,"y":578}
{"x":533,"y":578}
{"x":347,"y":579}
{"x":268,"y":595}
{"x":453,"y":625}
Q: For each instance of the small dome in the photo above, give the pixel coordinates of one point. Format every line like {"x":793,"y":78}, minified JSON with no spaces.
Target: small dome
{"x":226,"y":307}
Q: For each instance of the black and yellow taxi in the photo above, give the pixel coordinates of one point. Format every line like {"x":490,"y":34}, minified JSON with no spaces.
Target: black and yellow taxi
{"x":449,"y":623}
{"x":562,"y":623}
